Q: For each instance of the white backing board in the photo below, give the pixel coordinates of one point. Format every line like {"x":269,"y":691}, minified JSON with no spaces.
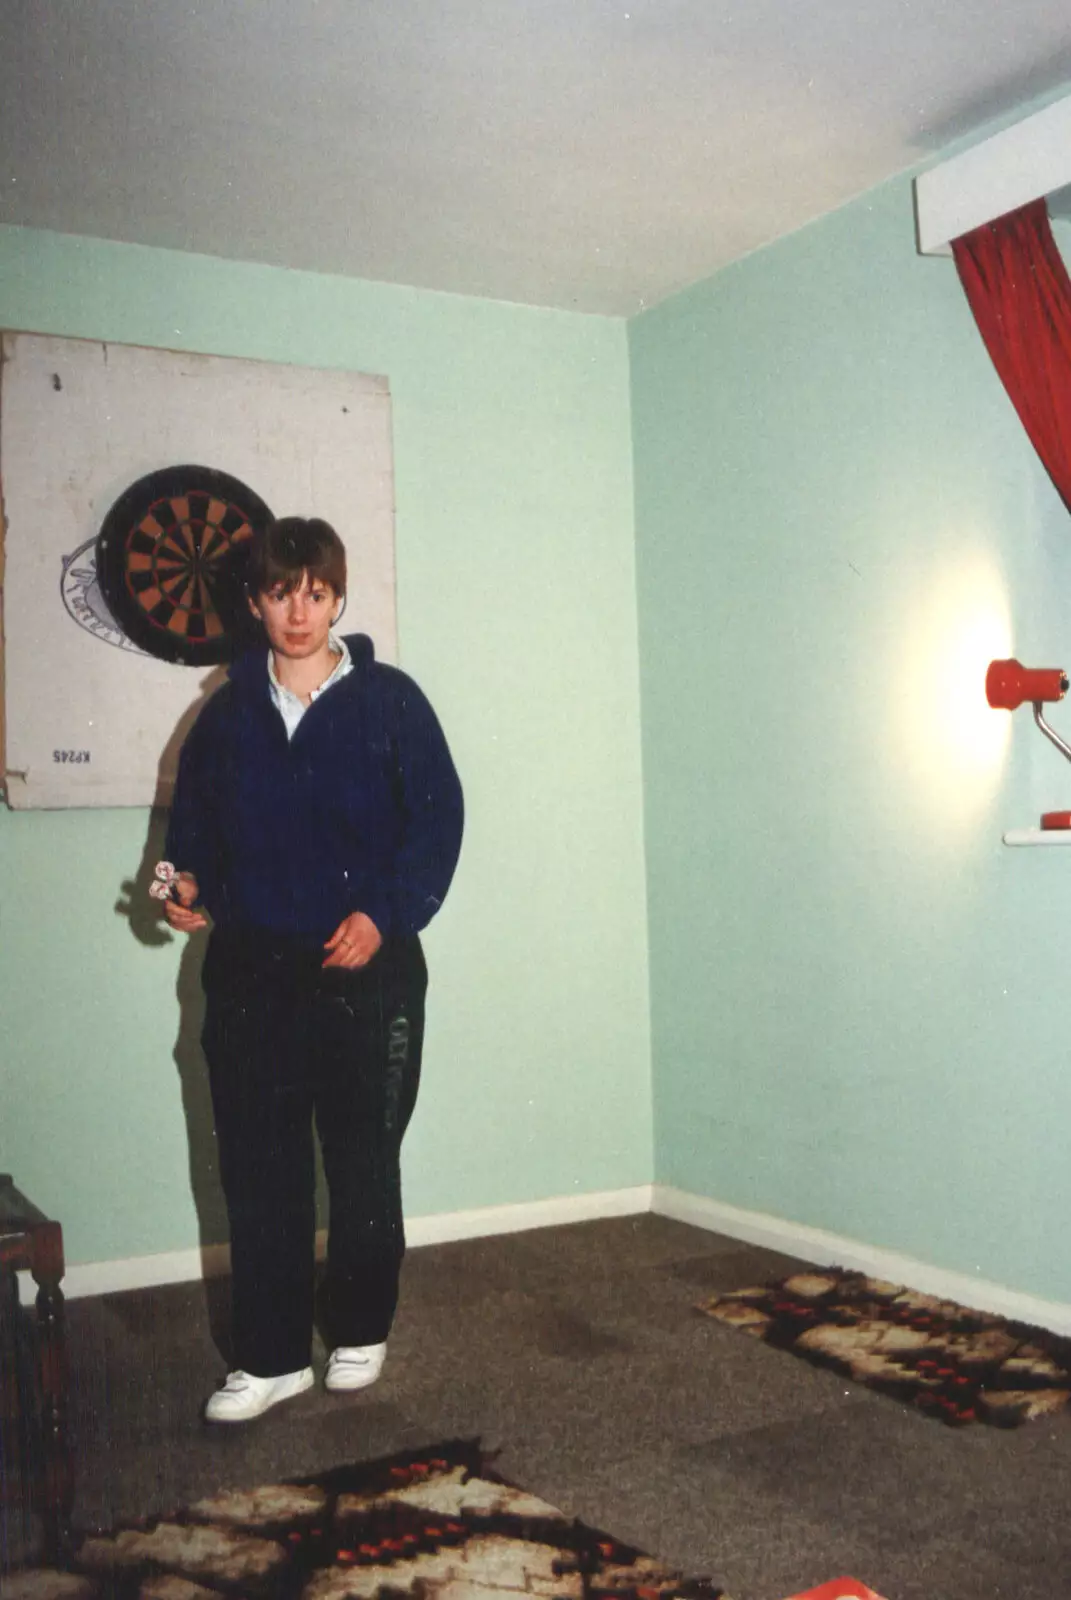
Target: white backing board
{"x":90,"y":720}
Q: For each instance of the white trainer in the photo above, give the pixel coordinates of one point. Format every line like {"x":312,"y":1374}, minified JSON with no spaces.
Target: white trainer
{"x":244,"y":1397}
{"x":354,"y":1366}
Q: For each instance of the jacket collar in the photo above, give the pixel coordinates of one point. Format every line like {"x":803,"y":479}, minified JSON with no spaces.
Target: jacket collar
{"x":249,"y":671}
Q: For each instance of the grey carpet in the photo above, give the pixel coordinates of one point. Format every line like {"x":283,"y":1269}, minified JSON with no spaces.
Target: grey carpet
{"x":577,"y":1353}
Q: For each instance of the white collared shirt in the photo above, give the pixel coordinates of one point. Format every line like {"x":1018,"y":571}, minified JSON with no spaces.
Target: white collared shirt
{"x":286,"y":702}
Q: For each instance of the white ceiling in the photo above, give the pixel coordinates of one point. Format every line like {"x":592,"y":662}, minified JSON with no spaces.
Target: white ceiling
{"x":595,"y":155}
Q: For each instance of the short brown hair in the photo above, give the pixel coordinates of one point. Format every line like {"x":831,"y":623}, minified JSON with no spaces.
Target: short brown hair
{"x":290,"y":549}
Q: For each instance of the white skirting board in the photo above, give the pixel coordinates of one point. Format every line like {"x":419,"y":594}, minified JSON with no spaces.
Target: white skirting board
{"x":750,"y":1227}
{"x":834,"y":1249}
{"x":210,"y":1261}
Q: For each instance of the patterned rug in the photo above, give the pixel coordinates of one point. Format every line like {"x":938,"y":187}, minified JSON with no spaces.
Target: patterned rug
{"x":438,"y":1524}
{"x":953,"y":1363}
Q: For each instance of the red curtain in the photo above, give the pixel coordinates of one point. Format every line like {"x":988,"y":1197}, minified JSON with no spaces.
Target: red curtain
{"x":1019,"y":291}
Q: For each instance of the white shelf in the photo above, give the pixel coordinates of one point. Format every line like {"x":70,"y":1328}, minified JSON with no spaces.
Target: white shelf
{"x":1030,"y":159}
{"x":1038,"y":836}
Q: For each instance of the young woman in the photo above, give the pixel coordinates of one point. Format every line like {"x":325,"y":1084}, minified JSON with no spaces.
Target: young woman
{"x":316,"y":822}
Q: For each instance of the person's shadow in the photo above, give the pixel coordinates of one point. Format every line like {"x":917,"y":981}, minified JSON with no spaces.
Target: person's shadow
{"x":149,"y":927}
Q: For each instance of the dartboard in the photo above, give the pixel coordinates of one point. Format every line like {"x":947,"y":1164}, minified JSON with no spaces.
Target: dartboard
{"x":170,"y":557}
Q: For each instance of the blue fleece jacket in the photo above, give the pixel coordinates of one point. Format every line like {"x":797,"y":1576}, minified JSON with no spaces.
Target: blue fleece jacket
{"x":360,"y":811}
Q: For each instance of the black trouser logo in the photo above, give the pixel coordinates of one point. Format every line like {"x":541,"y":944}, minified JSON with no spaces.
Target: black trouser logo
{"x":397,"y":1059}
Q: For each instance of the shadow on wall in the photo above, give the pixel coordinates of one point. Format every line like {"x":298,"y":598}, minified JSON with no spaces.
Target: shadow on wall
{"x":147,"y":924}
{"x":149,"y":928}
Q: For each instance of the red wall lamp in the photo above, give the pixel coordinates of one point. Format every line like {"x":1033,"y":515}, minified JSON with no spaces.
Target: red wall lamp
{"x":1008,"y":684}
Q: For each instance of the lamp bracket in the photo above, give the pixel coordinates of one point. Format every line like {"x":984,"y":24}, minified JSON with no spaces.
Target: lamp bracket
{"x":1050,"y":733}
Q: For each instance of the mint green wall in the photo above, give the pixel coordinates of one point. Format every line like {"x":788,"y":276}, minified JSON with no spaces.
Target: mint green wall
{"x":860,"y":1017}
{"x":856,"y":989}
{"x":517,"y":614}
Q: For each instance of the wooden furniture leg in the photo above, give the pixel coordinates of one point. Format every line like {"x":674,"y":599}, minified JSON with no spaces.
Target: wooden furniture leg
{"x":33,"y":1242}
{"x":57,"y":1478}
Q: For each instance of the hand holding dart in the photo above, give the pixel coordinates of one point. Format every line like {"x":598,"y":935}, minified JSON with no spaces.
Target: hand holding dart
{"x":163,"y":886}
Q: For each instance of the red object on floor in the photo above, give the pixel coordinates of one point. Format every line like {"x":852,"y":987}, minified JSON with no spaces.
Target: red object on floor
{"x":839,"y":1589}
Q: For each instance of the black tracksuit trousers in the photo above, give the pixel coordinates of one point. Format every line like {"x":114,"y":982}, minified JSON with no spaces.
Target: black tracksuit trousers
{"x":289,"y":1043}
